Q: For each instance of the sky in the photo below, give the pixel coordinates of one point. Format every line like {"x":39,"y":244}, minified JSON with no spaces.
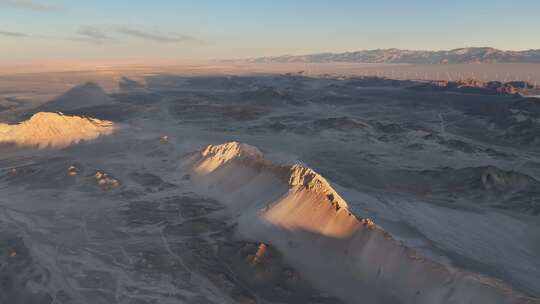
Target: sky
{"x":182,"y":30}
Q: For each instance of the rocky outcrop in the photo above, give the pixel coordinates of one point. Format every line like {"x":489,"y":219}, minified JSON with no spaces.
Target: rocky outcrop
{"x":54,"y":130}
{"x":495,"y":179}
{"x":105,"y":181}
{"x":214,"y":156}
{"x":305,"y":178}
{"x":476,"y":86}
{"x":297,"y":177}
{"x":296,"y":210}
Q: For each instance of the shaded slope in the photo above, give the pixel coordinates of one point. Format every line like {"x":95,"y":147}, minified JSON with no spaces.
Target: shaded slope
{"x":487,"y":185}
{"x":83,"y":96}
{"x":297,"y":210}
{"x":127,"y":84}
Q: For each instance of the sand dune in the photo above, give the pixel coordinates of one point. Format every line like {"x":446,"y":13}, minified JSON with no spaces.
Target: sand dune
{"x":53,"y":130}
{"x":297,"y":210}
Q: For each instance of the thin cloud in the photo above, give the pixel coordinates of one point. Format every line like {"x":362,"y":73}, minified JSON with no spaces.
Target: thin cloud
{"x":82,"y":38}
{"x":13,"y":34}
{"x":93,"y":34}
{"x":97,"y":35}
{"x":29,"y":5}
{"x":158,"y":37}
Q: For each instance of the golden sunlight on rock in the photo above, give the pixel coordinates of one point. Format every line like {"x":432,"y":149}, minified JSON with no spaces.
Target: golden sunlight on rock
{"x":54,"y":130}
{"x":105,"y":181}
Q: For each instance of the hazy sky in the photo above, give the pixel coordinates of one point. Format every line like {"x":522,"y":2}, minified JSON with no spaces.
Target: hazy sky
{"x":39,"y":30}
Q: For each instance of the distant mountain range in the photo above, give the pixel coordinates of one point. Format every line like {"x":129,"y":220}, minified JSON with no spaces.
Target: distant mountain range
{"x":463,"y":55}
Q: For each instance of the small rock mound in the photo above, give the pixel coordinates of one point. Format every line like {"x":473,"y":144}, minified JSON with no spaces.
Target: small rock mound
{"x":164,"y":139}
{"x":213,"y":156}
{"x":259,"y":256}
{"x":73,"y":171}
{"x":54,"y":130}
{"x":228,"y":151}
{"x":495,"y":179}
{"x":106,"y":181}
